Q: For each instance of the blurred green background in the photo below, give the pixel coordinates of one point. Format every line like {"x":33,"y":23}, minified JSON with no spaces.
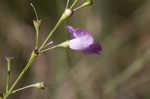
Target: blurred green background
{"x":121,"y":71}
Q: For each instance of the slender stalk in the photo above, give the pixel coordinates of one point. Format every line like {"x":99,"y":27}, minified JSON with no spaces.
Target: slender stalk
{"x":39,"y":85}
{"x":67,"y":13}
{"x":37,"y":24}
{"x":74,"y":3}
{"x":51,"y":33}
{"x":8,"y":81}
{"x":63,"y":44}
{"x":32,"y":58}
{"x":34,"y":11}
{"x":46,"y":50}
{"x":83,"y":5}
{"x":37,"y":40}
{"x":8,"y":76}
{"x":23,"y":88}
{"x":78,"y":8}
{"x":67,"y":5}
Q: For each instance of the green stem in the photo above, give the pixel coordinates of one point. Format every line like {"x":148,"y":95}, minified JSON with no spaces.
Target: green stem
{"x":67,"y":5}
{"x":63,"y":44}
{"x":37,"y":24}
{"x":8,"y":81}
{"x":20,"y":89}
{"x":39,"y":85}
{"x":9,"y":70}
{"x":32,"y":58}
{"x":51,"y":33}
{"x":74,"y":3}
{"x":83,"y":5}
{"x":37,"y":40}
{"x":67,"y":13}
{"x":45,"y":50}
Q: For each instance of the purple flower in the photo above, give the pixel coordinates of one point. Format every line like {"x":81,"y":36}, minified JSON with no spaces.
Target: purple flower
{"x":83,"y":41}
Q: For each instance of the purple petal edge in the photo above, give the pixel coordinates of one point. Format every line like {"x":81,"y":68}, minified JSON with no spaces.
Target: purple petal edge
{"x":79,"y":32}
{"x":95,"y":48}
{"x":70,"y":29}
{"x":76,"y":32}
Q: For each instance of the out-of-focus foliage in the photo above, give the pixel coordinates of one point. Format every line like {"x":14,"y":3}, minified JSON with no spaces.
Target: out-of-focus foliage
{"x":120,"y":72}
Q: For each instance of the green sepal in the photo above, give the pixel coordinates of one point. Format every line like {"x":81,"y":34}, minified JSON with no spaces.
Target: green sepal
{"x":64,"y":44}
{"x":39,"y":85}
{"x":37,"y":24}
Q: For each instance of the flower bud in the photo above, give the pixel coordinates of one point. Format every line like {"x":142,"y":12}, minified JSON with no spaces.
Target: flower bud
{"x":66,"y":14}
{"x":8,"y":59}
{"x":39,"y":85}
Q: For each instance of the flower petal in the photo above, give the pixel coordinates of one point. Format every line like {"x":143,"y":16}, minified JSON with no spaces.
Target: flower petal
{"x":76,"y":32}
{"x":81,"y":43}
{"x":79,"y":32}
{"x":94,"y":48}
{"x":70,"y":28}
